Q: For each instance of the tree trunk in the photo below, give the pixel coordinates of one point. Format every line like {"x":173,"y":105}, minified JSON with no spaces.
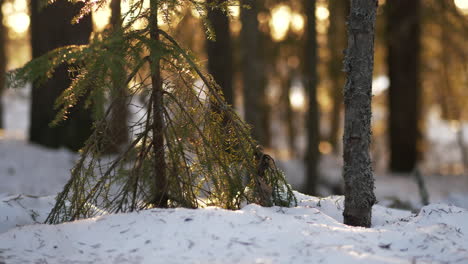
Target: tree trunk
{"x":160,"y":197}
{"x":116,"y":14}
{"x":336,"y":45}
{"x":2,"y":63}
{"x":359,"y":64}
{"x":51,"y":28}
{"x":220,"y":53}
{"x":289,"y":113}
{"x":255,"y":102}
{"x":403,"y":42}
{"x":117,"y":130}
{"x":310,"y":82}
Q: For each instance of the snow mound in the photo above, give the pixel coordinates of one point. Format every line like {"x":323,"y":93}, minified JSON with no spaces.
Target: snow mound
{"x":312,"y":232}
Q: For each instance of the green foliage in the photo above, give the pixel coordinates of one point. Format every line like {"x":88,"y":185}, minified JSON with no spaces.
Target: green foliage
{"x":209,"y":154}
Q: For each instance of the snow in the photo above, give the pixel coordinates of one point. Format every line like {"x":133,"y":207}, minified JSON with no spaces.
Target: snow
{"x":20,"y":210}
{"x":16,"y":110}
{"x":388,"y":187}
{"x":309,"y":233}
{"x":33,"y":170}
{"x":312,"y":232}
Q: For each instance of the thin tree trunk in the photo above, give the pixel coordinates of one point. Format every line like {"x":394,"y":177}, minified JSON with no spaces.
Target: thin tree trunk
{"x":51,"y":28}
{"x":117,"y":131}
{"x":255,"y":103}
{"x":359,"y":64}
{"x":451,"y":104}
{"x":403,"y":42}
{"x":160,"y":198}
{"x":2,"y":63}
{"x":289,"y":113}
{"x":220,"y":53}
{"x":116,"y":14}
{"x":336,"y":45}
{"x":463,"y":148}
{"x":310,"y":72}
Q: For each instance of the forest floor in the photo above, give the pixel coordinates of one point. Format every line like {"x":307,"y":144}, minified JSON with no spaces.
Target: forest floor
{"x":312,"y":232}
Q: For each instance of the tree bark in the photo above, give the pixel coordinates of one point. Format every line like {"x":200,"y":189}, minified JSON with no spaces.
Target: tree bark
{"x":51,"y":28}
{"x":336,"y":45}
{"x":160,"y":196}
{"x":310,"y":82}
{"x":117,"y":130}
{"x":2,"y":63}
{"x":359,"y":64}
{"x":220,"y":52}
{"x":255,"y":102}
{"x":403,"y":42}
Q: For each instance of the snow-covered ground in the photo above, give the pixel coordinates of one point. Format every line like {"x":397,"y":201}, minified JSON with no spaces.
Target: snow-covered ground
{"x":312,"y":232}
{"x":309,"y":233}
{"x":33,"y":170}
{"x":389,"y":188}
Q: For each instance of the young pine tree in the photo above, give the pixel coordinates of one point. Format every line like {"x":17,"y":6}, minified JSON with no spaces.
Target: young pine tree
{"x":181,"y":152}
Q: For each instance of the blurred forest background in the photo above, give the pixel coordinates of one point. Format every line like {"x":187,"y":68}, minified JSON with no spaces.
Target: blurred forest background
{"x":263,"y":58}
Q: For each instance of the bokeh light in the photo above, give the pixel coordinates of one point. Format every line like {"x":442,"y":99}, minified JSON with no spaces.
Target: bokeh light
{"x":297,"y":97}
{"x":322,"y":13}
{"x":19,"y":22}
{"x":462,"y":5}
{"x":297,"y":22}
{"x":280,"y":20}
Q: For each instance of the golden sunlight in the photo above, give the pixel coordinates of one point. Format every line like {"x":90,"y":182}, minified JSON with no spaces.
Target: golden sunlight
{"x":19,"y":22}
{"x":7,"y":9}
{"x":234,"y":11}
{"x":297,"y":22}
{"x":280,"y":20}
{"x":297,"y":97}
{"x":322,"y":12}
{"x":195,"y":13}
{"x":16,"y":16}
{"x":20,"y":5}
{"x":462,"y":5}
{"x":101,"y":18}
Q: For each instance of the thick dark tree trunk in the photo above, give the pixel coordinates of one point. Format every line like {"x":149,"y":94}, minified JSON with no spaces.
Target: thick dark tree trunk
{"x":310,"y":82}
{"x":160,"y":196}
{"x":255,"y":102}
{"x":336,"y":45}
{"x":51,"y":28}
{"x":2,"y":63}
{"x":220,"y":53}
{"x":403,"y":41}
{"x":117,"y":130}
{"x":359,"y":64}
